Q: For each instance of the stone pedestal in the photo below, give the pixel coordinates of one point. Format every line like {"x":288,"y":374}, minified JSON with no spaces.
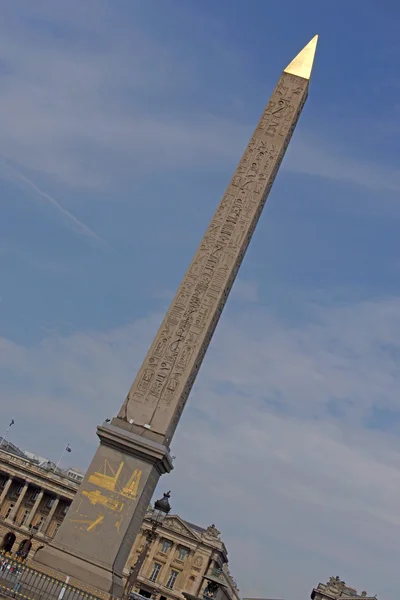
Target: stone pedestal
{"x":97,"y":535}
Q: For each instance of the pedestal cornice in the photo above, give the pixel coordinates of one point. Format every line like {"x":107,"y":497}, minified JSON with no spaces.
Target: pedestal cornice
{"x":135,"y":445}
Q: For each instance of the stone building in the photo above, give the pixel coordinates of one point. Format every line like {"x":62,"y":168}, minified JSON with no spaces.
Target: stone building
{"x":34,"y":496}
{"x":336,"y":589}
{"x":34,"y":499}
{"x":182,"y":560}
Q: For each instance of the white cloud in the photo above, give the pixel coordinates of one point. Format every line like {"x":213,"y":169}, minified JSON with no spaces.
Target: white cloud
{"x":309,"y":495}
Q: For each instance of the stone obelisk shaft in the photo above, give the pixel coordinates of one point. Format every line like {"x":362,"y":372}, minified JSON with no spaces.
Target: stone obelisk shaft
{"x":96,"y":537}
{"x":158,"y":395}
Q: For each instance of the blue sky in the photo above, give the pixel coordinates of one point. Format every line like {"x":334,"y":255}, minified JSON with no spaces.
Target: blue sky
{"x":121,"y":124}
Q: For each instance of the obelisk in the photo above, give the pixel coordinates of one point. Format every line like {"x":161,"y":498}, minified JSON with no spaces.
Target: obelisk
{"x":96,"y":537}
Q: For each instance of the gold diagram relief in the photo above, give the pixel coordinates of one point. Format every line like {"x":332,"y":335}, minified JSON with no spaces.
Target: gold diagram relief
{"x":107,"y":479}
{"x":89,"y":524}
{"x":96,"y":497}
{"x":83,"y":522}
{"x":118,"y":524}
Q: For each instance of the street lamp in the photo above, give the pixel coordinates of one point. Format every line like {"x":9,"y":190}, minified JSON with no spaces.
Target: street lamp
{"x":161,"y":509}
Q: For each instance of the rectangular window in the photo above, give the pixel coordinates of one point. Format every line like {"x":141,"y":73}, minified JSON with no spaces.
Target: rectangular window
{"x":182,"y":553}
{"x":9,"y":509}
{"x":155,"y":572}
{"x":56,"y":528}
{"x":166,"y":546}
{"x":172,"y":579}
{"x":34,"y":495}
{"x":65,"y":509}
{"x":25,"y":517}
{"x":50,"y":502}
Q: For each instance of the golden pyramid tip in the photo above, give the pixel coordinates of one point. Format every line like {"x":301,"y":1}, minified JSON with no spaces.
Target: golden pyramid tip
{"x":302,"y":64}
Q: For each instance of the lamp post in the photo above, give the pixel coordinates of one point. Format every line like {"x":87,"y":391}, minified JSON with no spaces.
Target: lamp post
{"x":160,"y":511}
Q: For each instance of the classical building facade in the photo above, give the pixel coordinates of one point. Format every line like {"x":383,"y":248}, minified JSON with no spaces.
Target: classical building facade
{"x":336,"y":589}
{"x":182,"y":560}
{"x":35,"y":497}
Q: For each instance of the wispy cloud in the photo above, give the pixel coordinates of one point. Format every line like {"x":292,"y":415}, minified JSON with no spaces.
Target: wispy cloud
{"x":72,"y":221}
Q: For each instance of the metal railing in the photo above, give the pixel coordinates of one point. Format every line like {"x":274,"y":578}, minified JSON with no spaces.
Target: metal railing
{"x":17,"y":580}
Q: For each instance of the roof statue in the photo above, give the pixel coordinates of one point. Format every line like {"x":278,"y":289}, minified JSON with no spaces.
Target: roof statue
{"x":213,"y":532}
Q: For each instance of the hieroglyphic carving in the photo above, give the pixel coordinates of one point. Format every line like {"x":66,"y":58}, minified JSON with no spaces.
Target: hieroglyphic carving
{"x":171,"y":365}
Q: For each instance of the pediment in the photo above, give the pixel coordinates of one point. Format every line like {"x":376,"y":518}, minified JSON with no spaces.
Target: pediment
{"x":176,"y":524}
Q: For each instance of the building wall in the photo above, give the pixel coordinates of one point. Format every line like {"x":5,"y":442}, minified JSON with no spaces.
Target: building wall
{"x":33,"y":495}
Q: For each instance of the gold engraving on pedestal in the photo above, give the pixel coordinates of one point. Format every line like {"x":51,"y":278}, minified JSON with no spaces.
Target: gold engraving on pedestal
{"x":83,"y":522}
{"x":87,"y":524}
{"x":94,"y":524}
{"x":131,"y":488}
{"x":96,"y":497}
{"x":104,"y":479}
{"x":107,"y":479}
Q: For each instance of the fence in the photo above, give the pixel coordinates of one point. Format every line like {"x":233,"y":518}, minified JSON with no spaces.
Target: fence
{"x":17,"y":580}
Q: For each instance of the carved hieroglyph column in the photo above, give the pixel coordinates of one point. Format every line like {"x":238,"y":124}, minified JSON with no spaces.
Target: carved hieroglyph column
{"x":95,"y":539}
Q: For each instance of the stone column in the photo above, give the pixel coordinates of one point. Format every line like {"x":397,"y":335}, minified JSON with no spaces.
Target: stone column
{"x":5,"y":490}
{"x":34,"y":508}
{"x":150,"y":557}
{"x":14,"y":511}
{"x":167,"y":566}
{"x":50,"y":516}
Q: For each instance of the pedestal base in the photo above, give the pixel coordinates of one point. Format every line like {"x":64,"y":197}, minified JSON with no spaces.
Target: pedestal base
{"x":93,"y":578}
{"x":94,"y":542}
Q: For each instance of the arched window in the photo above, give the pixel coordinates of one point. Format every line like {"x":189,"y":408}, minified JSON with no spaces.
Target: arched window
{"x":8,"y":542}
{"x":24,"y":548}
{"x":190,"y":585}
